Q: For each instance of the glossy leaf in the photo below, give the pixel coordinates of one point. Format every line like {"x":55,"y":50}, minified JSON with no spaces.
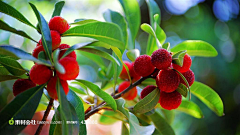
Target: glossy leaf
{"x":147,"y":28}
{"x":168,"y":115}
{"x":166,"y":46}
{"x":208,"y":96}
{"x":3,"y":70}
{"x":8,"y":77}
{"x":22,"y":107}
{"x":135,"y":128}
{"x":133,"y":17}
{"x":100,"y":53}
{"x":57,"y":65}
{"x":125,"y":130}
{"x":82,"y":21}
{"x":196,"y":48}
{"x":161,"y":36}
{"x":46,"y":35}
{"x":153,"y":9}
{"x":75,"y":47}
{"x":12,"y":66}
{"x":102,"y":94}
{"x":77,"y":90}
{"x":9,"y":10}
{"x":117,"y":18}
{"x":178,"y":57}
{"x":6,"y":27}
{"x":190,"y":108}
{"x":109,"y":33}
{"x":78,"y":106}
{"x":58,"y":8}
{"x":182,"y":89}
{"x":67,"y":112}
{"x":161,"y":125}
{"x":133,"y":54}
{"x":17,"y":53}
{"x":185,"y":80}
{"x":147,"y":103}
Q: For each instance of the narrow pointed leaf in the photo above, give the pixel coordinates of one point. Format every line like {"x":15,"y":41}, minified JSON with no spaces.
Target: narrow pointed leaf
{"x":82,"y":21}
{"x":75,"y":47}
{"x":133,"y":54}
{"x":147,"y":28}
{"x":190,"y":108}
{"x":46,"y":35}
{"x":6,"y":27}
{"x":22,"y":107}
{"x":182,"y":89}
{"x":57,"y":65}
{"x":109,"y":33}
{"x":196,"y":48}
{"x":58,"y":8}
{"x":178,"y":58}
{"x":12,"y":66}
{"x":153,"y":9}
{"x":208,"y":96}
{"x":166,"y":46}
{"x":102,"y":94}
{"x":147,"y":103}
{"x":9,"y":10}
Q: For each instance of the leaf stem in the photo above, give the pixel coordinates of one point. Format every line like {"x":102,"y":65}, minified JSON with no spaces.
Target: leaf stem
{"x":99,"y":107}
{"x":50,"y":104}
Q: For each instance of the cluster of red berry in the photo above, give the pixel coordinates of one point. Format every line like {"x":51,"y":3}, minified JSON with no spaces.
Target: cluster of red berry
{"x":40,"y":74}
{"x":167,"y":79}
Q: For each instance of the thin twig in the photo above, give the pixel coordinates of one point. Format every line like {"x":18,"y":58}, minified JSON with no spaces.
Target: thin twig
{"x":45,"y":116}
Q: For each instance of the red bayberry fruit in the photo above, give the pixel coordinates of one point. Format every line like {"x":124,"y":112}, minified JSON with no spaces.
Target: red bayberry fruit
{"x":37,"y":50}
{"x":65,"y":46}
{"x":56,"y":39}
{"x":40,"y":74}
{"x":161,"y":59}
{"x":59,"y":24}
{"x":187,"y":61}
{"x":147,"y":90}
{"x":189,"y":75}
{"x":51,"y":87}
{"x":21,"y":85}
{"x":123,"y":74}
{"x":143,"y":65}
{"x":133,"y":74}
{"x":71,"y":68}
{"x":167,"y":80}
{"x":131,"y":94}
{"x":171,"y":100}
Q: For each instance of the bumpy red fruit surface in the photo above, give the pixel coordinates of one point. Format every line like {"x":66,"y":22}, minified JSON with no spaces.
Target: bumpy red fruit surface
{"x":56,"y":39}
{"x":65,"y":46}
{"x":133,"y":74}
{"x":143,"y":65}
{"x":167,"y":80}
{"x":59,"y":24}
{"x":171,"y":100}
{"x":131,"y":94}
{"x":21,"y":85}
{"x":51,"y":87}
{"x":187,"y":62}
{"x":147,"y":90}
{"x":71,"y":68}
{"x":161,"y":59}
{"x":37,"y":50}
{"x":190,"y":77}
{"x":40,"y":74}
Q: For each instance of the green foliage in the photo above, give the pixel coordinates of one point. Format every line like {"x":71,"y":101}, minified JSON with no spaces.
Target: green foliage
{"x":178,"y":58}
{"x":57,"y":65}
{"x":182,"y":89}
{"x":12,"y":66}
{"x":58,"y":8}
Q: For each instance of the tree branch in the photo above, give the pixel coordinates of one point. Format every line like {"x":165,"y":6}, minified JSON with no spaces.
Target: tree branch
{"x":50,"y":104}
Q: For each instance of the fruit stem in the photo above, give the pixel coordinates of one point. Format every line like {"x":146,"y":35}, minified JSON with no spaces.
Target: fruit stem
{"x":50,"y":104}
{"x":99,"y":107}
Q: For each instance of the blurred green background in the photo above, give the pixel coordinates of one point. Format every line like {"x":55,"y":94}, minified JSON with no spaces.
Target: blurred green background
{"x":214,"y":21}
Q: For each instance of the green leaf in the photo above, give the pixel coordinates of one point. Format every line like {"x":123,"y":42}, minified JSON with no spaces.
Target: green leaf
{"x":208,"y":96}
{"x":75,"y":47}
{"x":196,"y":48}
{"x":153,"y":9}
{"x":125,"y":130}
{"x":67,"y":112}
{"x":117,"y":18}
{"x":133,"y":54}
{"x":147,"y":28}
{"x":83,"y":21}
{"x":161,"y":125}
{"x":46,"y":35}
{"x":185,"y":80}
{"x":190,"y":108}
{"x":79,"y":91}
{"x":56,"y":129}
{"x":9,"y":10}
{"x":100,"y":53}
{"x":109,"y":117}
{"x":166,"y":46}
{"x":78,"y":106}
{"x":102,"y":94}
{"x":58,"y":8}
{"x":109,"y":33}
{"x":133,"y":17}
{"x":12,"y":66}
{"x":147,"y":103}
{"x":167,"y":114}
{"x":135,"y":128}
{"x":182,"y":89}
{"x":8,"y":77}
{"x":22,"y":107}
{"x":3,"y":70}
{"x":17,"y":53}
{"x":5,"y":26}
{"x":57,"y":65}
{"x":161,"y":36}
{"x":178,"y":57}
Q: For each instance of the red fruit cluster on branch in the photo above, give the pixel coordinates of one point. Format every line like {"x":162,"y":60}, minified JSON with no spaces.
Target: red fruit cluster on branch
{"x":167,"y":79}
